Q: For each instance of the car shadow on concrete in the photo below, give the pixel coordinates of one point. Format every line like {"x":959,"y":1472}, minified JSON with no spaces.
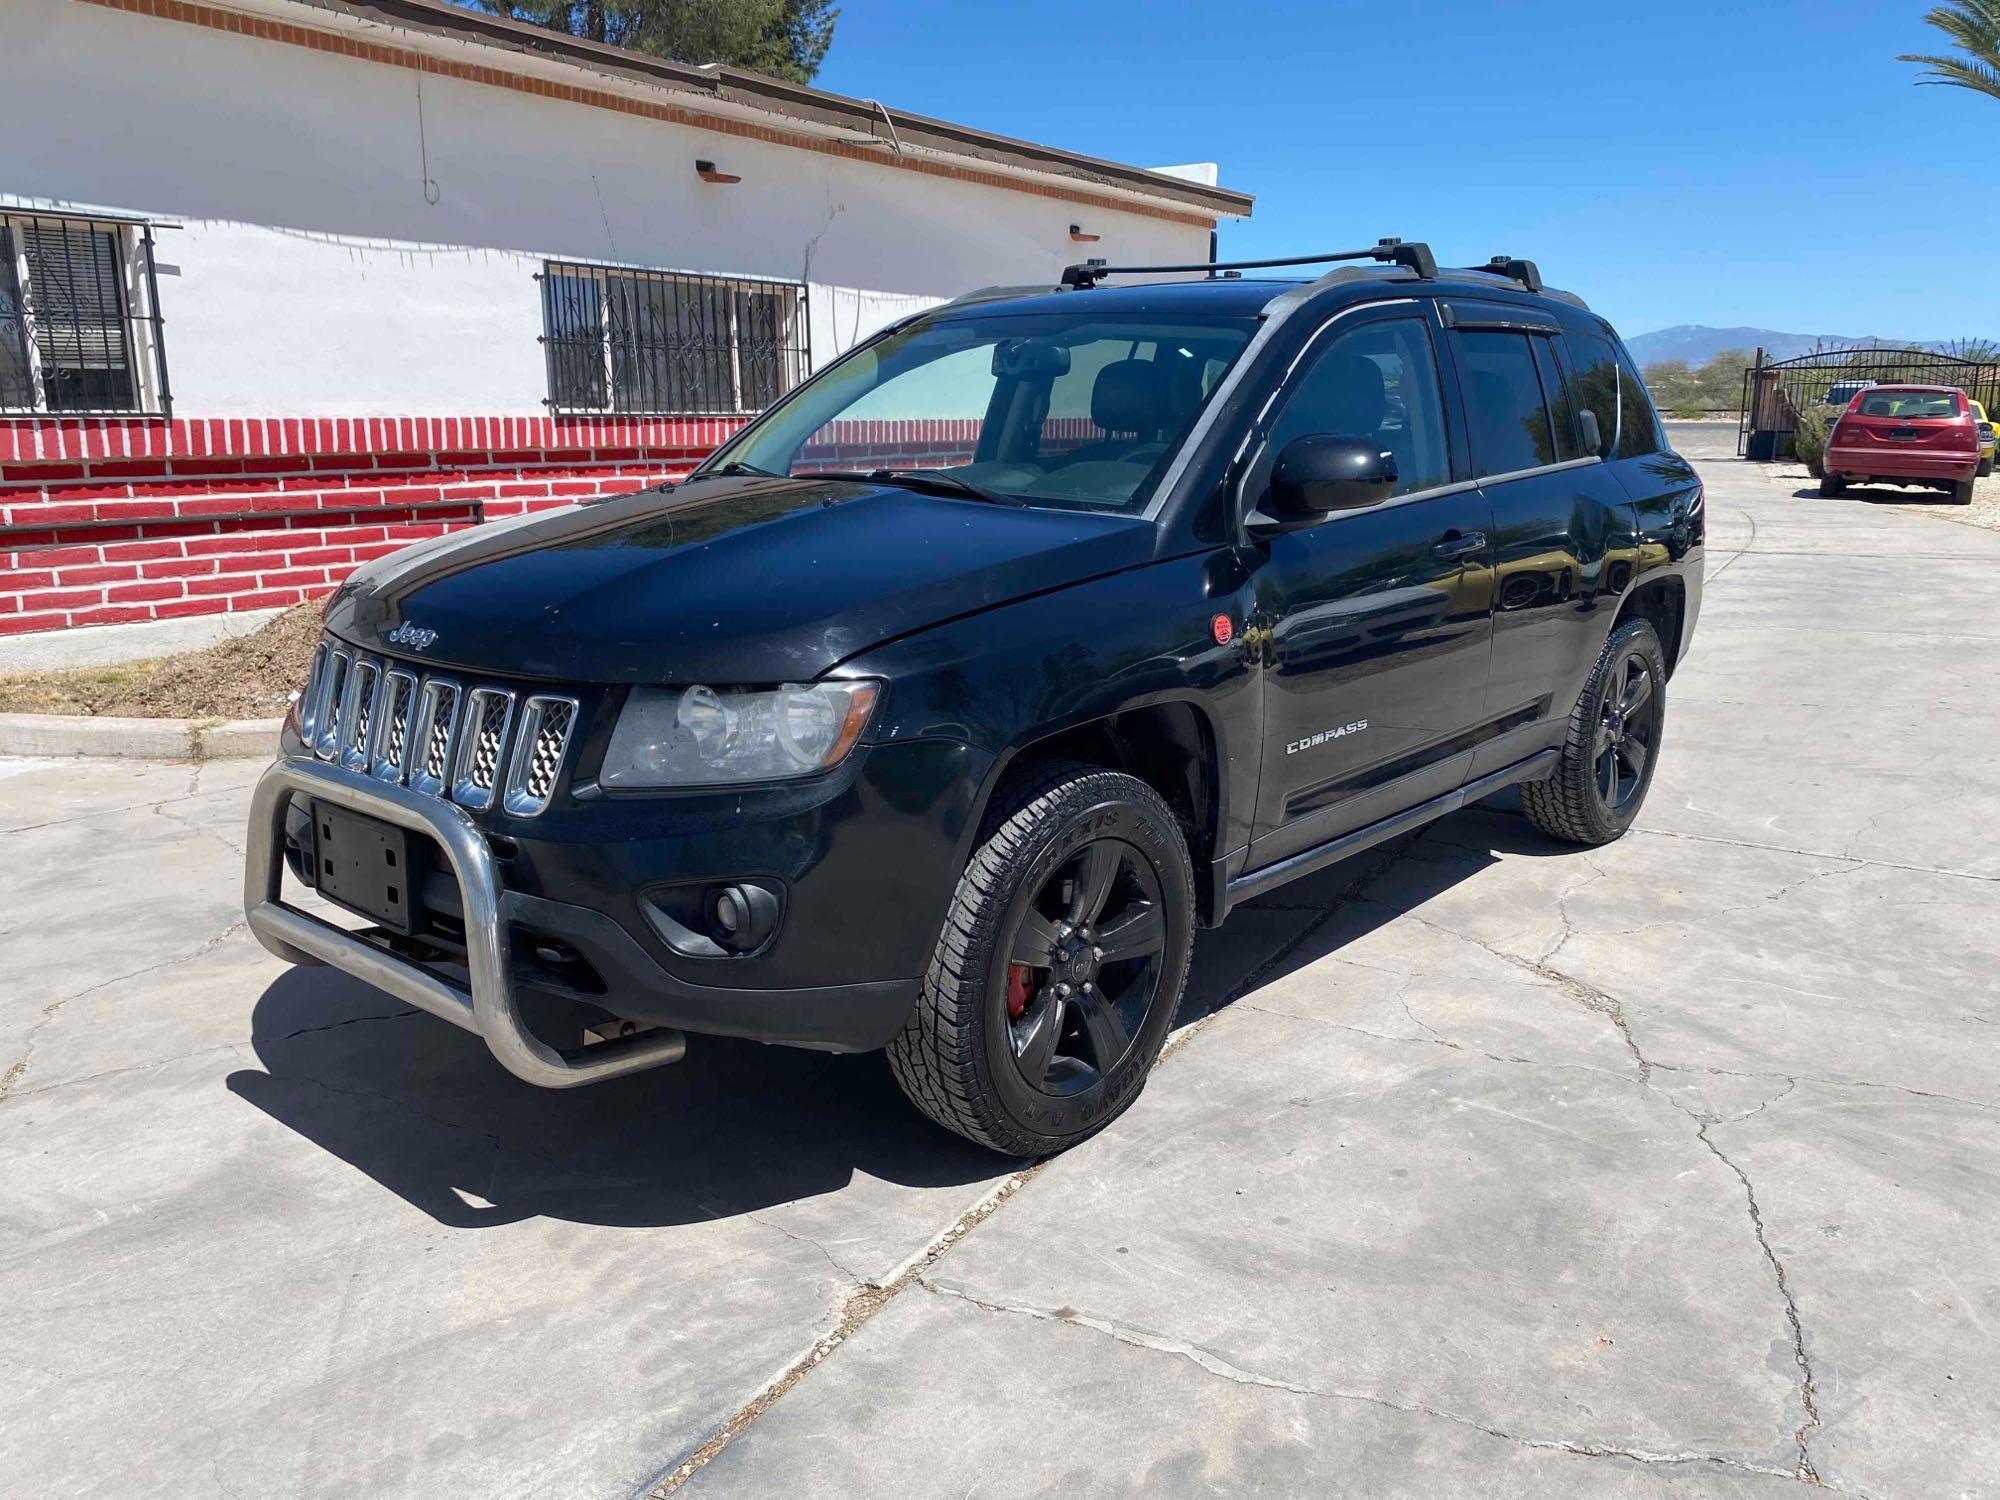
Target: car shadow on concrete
{"x":422,"y":1108}
{"x":1877,"y":496}
{"x":1380,"y":886}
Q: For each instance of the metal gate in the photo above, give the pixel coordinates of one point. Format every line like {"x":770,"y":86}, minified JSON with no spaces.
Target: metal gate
{"x":1775,"y":394}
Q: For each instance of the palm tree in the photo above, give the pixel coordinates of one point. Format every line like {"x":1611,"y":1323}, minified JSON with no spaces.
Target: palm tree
{"x":1974,"y":28}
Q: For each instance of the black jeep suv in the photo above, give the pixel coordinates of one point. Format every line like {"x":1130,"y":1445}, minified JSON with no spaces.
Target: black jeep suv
{"x":939,"y":707}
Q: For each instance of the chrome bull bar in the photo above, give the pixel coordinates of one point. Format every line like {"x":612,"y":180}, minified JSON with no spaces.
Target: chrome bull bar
{"x":489,"y":1007}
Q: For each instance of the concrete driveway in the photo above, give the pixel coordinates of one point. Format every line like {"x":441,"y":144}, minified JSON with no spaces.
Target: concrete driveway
{"x":1479,"y":1166}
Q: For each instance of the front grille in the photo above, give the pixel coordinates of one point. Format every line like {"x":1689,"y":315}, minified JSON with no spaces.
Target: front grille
{"x":433,"y":733}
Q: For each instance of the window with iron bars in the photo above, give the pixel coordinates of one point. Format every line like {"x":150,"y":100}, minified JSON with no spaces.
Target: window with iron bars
{"x":669,"y":342}
{"x":79,"y":318}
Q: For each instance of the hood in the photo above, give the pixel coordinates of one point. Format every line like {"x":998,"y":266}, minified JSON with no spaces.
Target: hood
{"x":726,"y":581}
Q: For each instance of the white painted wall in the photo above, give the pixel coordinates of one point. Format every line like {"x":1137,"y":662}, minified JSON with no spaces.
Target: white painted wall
{"x":312,"y":276}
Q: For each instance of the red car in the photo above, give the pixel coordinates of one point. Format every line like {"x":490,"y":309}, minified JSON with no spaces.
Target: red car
{"x":1905,"y":434}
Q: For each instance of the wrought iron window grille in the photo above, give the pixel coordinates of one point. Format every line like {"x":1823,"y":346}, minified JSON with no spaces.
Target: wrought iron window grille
{"x":81,"y":332}
{"x":669,"y":343}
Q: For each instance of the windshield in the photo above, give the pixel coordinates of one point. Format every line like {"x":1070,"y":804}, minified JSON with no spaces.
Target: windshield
{"x":1062,"y":410}
{"x":1911,"y":404}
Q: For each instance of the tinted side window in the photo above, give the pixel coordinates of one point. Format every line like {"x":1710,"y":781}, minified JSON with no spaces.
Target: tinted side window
{"x":1594,"y":380}
{"x":1504,"y":405}
{"x":1638,"y":426}
{"x":1562,"y":416}
{"x":1378,"y":382}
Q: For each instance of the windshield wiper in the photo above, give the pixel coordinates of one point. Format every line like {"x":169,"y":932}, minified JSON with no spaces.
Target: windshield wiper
{"x":733,"y":470}
{"x":937,"y":479}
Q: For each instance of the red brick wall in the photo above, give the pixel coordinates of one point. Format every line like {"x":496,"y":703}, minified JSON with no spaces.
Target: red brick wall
{"x":110,"y":522}
{"x":107,"y":522}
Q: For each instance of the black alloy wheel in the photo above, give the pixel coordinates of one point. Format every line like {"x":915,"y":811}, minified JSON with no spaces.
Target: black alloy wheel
{"x":1060,"y":966}
{"x":1628,"y":731}
{"x":1612,"y":746}
{"x":1084,"y":967}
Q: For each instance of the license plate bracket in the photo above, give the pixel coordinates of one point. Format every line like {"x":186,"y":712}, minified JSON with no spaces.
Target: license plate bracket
{"x":365,"y":865}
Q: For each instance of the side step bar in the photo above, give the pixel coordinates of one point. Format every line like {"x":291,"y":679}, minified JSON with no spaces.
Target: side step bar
{"x":1256,"y":882}
{"x":489,"y":1008}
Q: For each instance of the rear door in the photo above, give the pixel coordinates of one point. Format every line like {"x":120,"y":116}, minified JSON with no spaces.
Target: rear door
{"x":1375,"y":625}
{"x":1562,"y":525}
{"x":1669,"y":521}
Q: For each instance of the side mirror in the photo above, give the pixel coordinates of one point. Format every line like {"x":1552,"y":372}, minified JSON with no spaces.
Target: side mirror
{"x":1593,"y":439}
{"x":1324,"y":472}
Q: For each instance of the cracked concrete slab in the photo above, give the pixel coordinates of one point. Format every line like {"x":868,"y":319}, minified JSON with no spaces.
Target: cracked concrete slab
{"x":1065,"y":1404}
{"x":1540,"y":1250}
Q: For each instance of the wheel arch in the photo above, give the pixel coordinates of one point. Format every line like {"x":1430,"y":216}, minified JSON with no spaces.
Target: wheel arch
{"x":1662,"y":599}
{"x":1168,"y":741}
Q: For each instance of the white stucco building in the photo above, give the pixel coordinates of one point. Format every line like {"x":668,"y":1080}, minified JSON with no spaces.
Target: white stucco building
{"x":285,"y":282}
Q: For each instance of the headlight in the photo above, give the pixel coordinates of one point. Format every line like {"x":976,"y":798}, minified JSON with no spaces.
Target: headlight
{"x":703,"y":736}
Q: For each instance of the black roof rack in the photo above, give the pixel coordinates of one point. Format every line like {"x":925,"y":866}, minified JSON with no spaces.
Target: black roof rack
{"x":1416,"y":255}
{"x":1523,"y":271}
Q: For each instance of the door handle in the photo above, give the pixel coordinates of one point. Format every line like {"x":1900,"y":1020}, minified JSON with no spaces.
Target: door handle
{"x":1457,"y":544}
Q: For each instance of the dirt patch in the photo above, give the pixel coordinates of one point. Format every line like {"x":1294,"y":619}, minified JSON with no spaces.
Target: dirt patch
{"x":251,"y":677}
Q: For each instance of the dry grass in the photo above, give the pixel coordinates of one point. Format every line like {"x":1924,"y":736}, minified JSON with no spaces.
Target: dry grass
{"x":249,"y":678}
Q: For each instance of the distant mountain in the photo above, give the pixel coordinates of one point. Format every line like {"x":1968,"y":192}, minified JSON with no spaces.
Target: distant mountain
{"x":1695,"y":344}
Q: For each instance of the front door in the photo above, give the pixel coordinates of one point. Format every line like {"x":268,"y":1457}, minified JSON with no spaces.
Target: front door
{"x":1377,"y":623}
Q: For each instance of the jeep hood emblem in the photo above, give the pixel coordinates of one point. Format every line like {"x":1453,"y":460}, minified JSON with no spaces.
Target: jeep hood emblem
{"x":416,"y":637}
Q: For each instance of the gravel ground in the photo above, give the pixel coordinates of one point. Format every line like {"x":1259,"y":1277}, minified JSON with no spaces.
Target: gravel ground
{"x":1984,"y":510}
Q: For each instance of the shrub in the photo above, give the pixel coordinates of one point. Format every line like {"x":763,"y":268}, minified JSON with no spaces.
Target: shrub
{"x":1809,"y":441}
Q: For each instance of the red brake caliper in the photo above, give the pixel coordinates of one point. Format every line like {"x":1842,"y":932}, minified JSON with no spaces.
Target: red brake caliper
{"x":1020,"y":985}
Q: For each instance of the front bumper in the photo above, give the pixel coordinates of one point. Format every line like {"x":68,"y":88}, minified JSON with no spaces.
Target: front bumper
{"x":866,"y":859}
{"x":488,"y":1004}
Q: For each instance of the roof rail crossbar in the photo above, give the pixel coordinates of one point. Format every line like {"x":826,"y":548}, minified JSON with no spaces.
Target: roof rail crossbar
{"x":1523,"y":271}
{"x":1415,"y":255}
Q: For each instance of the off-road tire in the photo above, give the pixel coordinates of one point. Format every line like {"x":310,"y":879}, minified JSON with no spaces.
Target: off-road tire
{"x":1831,"y":485}
{"x":946,"y":1056}
{"x":1961,"y":492}
{"x":1569,"y":805}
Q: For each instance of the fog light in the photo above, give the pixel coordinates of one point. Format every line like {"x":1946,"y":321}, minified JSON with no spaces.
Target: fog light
{"x":742,"y":916}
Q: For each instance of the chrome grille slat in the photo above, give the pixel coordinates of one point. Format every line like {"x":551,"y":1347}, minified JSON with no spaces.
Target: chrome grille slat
{"x":357,"y":710}
{"x":332,"y":693}
{"x":539,"y":746}
{"x":386,"y":761}
{"x":436,"y":735}
{"x":309,"y":699}
{"x":489,"y":714}
{"x":481,"y":746}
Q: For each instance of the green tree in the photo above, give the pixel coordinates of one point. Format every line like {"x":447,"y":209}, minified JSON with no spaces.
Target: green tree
{"x":1974,"y":29}
{"x":784,"y":38}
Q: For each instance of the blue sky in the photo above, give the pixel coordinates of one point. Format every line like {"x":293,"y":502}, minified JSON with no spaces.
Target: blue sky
{"x":1749,"y":163}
